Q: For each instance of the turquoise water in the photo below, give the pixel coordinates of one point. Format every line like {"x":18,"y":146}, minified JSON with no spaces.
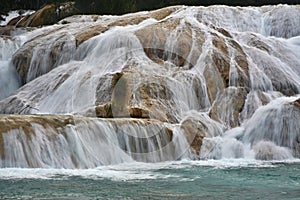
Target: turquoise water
{"x":172,"y":180}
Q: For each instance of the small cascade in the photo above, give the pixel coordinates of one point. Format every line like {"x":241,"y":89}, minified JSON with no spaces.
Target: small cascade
{"x":278,"y":21}
{"x":68,"y":142}
{"x":9,"y":78}
{"x":277,"y":122}
{"x":272,"y":133}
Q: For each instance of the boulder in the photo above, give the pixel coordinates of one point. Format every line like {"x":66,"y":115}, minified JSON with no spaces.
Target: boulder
{"x":197,"y":127}
{"x":6,"y":30}
{"x":57,"y":47}
{"x":142,"y":97}
{"x":228,"y":106}
{"x":220,"y":71}
{"x":185,"y":49}
{"x":49,"y":14}
{"x":297,"y":103}
{"x":195,"y":131}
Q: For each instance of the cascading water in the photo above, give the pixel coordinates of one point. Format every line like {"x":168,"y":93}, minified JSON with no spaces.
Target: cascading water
{"x":69,"y":142}
{"x":9,"y":78}
{"x":197,"y":83}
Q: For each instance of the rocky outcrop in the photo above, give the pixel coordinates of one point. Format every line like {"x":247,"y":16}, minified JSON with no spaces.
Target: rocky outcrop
{"x":228,"y":106}
{"x":55,"y":51}
{"x":197,"y":127}
{"x":195,"y":132}
{"x":183,"y":50}
{"x":297,"y":103}
{"x":58,"y":45}
{"x":47,"y":15}
{"x":228,"y":66}
{"x":131,"y":19}
{"x":151,"y":97}
{"x":6,"y":30}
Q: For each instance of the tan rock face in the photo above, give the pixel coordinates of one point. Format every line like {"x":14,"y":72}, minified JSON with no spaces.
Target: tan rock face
{"x":23,"y":59}
{"x":89,"y":33}
{"x":297,"y":103}
{"x":198,"y":127}
{"x":154,"y":38}
{"x":221,"y":72}
{"x":228,"y":106}
{"x":142,"y":97}
{"x":14,"y":21}
{"x":104,"y":111}
{"x":6,"y":30}
{"x":124,"y":21}
{"x":195,"y":132}
{"x":49,"y":14}
{"x":296,"y":149}
{"x":45,"y":16}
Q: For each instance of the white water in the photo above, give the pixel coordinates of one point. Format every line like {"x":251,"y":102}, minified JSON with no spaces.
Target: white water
{"x":134,"y":171}
{"x":260,"y":121}
{"x":13,"y":14}
{"x":91,"y":143}
{"x":9,"y":78}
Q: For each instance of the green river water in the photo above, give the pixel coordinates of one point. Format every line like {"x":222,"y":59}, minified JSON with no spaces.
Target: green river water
{"x":226,"y":179}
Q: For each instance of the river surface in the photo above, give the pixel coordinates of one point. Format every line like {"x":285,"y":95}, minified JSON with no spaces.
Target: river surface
{"x":218,"y":179}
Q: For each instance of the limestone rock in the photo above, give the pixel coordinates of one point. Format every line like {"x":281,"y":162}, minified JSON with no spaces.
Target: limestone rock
{"x":297,"y":103}
{"x":228,"y":106}
{"x":124,"y":20}
{"x":220,"y":71}
{"x":154,"y":38}
{"x":163,"y":12}
{"x":6,"y":30}
{"x":49,"y":14}
{"x":195,"y":132}
{"x":197,"y":127}
{"x":14,"y":21}
{"x":150,"y":100}
{"x":89,"y":33}
{"x":60,"y":50}
{"x":56,"y":46}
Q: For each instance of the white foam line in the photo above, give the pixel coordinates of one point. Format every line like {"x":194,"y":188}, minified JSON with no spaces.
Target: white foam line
{"x":133,"y":171}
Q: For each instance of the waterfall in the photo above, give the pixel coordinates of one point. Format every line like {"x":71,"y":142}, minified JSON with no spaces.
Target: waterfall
{"x":181,"y":82}
{"x":68,"y":142}
{"x":9,"y":78}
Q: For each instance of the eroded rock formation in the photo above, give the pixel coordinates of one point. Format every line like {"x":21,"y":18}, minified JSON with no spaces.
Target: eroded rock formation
{"x":180,"y":71}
